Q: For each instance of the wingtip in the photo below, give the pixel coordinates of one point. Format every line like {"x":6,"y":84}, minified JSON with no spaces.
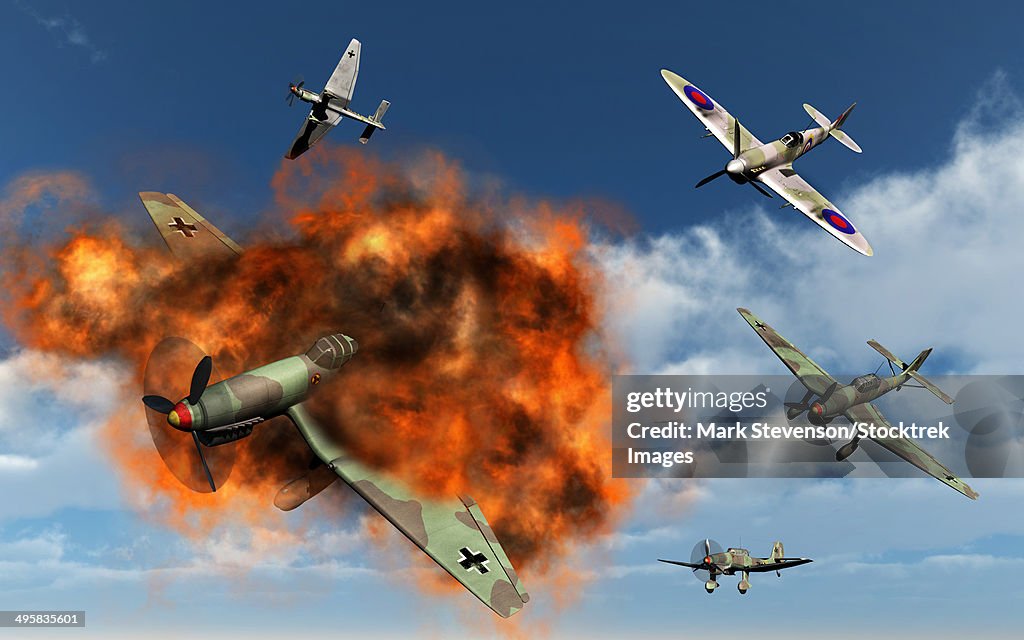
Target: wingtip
{"x":671,"y":76}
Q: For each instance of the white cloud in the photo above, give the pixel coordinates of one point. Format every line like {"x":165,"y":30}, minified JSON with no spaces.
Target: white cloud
{"x":17,"y":463}
{"x":68,"y":31}
{"x":50,"y":454}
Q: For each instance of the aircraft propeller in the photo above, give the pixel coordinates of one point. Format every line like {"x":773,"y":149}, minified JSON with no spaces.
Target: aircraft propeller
{"x":295,"y":86}
{"x":702,"y":554}
{"x":177,"y":446}
{"x":200,"y":379}
{"x":734,"y":169}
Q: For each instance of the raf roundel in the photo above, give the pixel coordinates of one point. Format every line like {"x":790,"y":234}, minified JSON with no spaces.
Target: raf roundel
{"x":698,"y":98}
{"x":838,"y":222}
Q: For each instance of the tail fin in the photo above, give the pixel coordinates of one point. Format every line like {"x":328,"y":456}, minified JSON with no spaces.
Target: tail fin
{"x":836,"y":131}
{"x":919,"y":360}
{"x":925,"y":382}
{"x":841,"y":120}
{"x":777,"y":551}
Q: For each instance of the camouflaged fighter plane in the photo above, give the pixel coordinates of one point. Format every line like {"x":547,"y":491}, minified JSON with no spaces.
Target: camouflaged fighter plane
{"x":331,"y":104}
{"x":754,"y":162}
{"x":854,"y":400}
{"x":716,"y":562}
{"x":454,"y":532}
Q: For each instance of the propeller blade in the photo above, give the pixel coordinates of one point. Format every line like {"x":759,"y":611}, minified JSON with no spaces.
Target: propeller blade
{"x":159,"y":404}
{"x":760,"y":188}
{"x":708,"y":179}
{"x":707,"y":547}
{"x":202,"y":458}
{"x":736,"y":139}
{"x":200,"y":378}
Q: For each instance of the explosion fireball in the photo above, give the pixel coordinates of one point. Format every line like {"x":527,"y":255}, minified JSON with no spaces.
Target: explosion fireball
{"x":482,"y":367}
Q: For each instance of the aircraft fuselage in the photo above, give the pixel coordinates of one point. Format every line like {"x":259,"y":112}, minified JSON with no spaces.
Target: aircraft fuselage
{"x":863,"y":389}
{"x":304,"y":94}
{"x":229,"y":408}
{"x":753,"y":162}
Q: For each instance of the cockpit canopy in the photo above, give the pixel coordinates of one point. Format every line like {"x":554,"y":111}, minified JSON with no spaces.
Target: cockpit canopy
{"x":330,"y":352}
{"x":866,"y":383}
{"x":792,"y":139}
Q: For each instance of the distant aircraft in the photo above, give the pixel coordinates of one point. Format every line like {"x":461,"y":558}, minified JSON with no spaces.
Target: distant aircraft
{"x":772,"y":164}
{"x":454,"y":532}
{"x":331,"y":104}
{"x":708,"y":561}
{"x":854,"y":400}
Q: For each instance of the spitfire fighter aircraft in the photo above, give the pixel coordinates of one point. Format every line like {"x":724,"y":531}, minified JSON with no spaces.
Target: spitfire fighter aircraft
{"x":854,"y":400}
{"x":756,"y":163}
{"x":453,"y":532}
{"x":708,"y":561}
{"x":331,"y":104}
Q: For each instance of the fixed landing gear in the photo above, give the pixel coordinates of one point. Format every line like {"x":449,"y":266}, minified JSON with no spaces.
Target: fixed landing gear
{"x":744,"y":583}
{"x":710,"y":586}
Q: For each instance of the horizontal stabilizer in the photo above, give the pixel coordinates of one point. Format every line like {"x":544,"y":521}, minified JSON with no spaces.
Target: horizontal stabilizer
{"x":836,"y":131}
{"x":381,"y":110}
{"x":911,"y":369}
{"x":847,"y":141}
{"x":927,"y":384}
{"x":817,"y":116}
{"x":887,"y":354}
{"x":374,"y":122}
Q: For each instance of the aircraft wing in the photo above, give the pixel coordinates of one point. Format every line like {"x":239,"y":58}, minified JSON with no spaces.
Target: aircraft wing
{"x":187,"y":234}
{"x":908,"y":449}
{"x":311,"y":131}
{"x":342,"y":82}
{"x":711,"y":114}
{"x":688,"y":565}
{"x":454,"y":533}
{"x":806,"y":370}
{"x":785,"y":182}
{"x":781,"y":563}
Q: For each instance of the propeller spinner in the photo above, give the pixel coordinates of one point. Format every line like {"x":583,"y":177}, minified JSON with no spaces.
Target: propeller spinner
{"x":178,"y":415}
{"x":293,"y":90}
{"x":735,"y":167}
{"x":703,"y":554}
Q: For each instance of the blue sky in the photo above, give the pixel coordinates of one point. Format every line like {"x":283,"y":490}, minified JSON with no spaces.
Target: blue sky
{"x":564,"y":103}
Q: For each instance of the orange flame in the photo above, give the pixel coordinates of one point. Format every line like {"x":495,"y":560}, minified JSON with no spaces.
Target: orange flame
{"x":482,"y":366}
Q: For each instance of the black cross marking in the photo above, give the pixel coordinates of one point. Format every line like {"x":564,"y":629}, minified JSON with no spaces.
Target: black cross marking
{"x":351,"y":54}
{"x":186,"y":229}
{"x":470,"y":560}
{"x":760,"y":325}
